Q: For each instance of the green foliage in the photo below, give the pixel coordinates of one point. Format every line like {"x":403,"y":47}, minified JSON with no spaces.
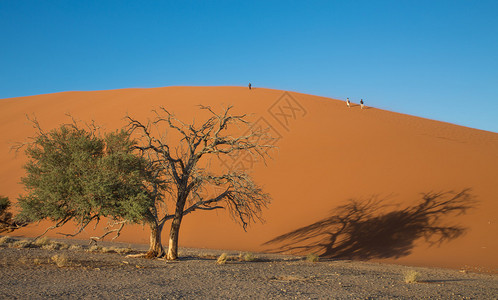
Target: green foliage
{"x":75,"y":174}
{"x":4,"y":204}
{"x":5,"y":215}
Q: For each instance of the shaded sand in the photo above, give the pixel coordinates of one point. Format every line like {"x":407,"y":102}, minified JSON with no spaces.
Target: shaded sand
{"x":327,"y":154}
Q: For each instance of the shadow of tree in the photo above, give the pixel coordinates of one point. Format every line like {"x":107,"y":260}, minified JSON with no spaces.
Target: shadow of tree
{"x":370,"y":229}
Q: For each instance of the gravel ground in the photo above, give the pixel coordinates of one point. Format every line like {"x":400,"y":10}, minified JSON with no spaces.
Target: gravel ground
{"x":32,"y":273}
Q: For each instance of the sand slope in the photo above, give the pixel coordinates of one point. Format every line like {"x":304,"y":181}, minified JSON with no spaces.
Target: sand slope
{"x":328,"y":153}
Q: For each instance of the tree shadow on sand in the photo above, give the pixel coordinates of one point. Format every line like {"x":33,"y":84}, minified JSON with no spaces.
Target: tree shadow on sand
{"x":370,"y":229}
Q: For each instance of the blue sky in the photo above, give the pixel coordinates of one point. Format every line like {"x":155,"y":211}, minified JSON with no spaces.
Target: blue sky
{"x":434,"y":59}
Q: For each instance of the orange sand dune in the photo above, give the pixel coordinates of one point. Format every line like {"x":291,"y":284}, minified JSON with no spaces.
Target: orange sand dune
{"x":327,"y":154}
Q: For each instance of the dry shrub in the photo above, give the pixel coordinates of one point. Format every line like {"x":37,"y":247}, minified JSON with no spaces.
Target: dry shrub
{"x":52,"y":246}
{"x":37,"y":261}
{"x":222,"y":259}
{"x":6,"y":240}
{"x":108,"y":250}
{"x":40,"y":242}
{"x":48,"y":244}
{"x":247,"y":257}
{"x":63,"y":246}
{"x":60,"y":260}
{"x":94,"y":248}
{"x":123,"y":250}
{"x":75,"y":247}
{"x":312,"y":257}
{"x":207,"y":256}
{"x":411,"y":276}
{"x":21,"y":244}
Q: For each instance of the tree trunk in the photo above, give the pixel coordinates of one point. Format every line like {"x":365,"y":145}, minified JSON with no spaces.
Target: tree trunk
{"x":155,"y":246}
{"x":173,"y":237}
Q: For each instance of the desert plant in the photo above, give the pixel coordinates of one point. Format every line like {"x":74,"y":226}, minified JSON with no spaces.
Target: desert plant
{"x":411,"y":276}
{"x":40,"y":242}
{"x":52,"y":245}
{"x":222,"y":259}
{"x":247,"y":257}
{"x":183,"y":155}
{"x":37,"y":261}
{"x":21,"y":244}
{"x":5,"y":215}
{"x":206,"y":255}
{"x":7,"y":223}
{"x":63,"y":246}
{"x":60,"y":260}
{"x":123,"y":250}
{"x":312,"y":257}
{"x":6,"y":240}
{"x":75,"y":247}
{"x":75,"y":174}
{"x":94,"y":248}
{"x":108,"y":250}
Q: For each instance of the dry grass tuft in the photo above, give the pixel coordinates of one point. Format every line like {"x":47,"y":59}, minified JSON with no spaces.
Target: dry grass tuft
{"x":6,"y":240}
{"x":63,"y":246}
{"x":21,"y":244}
{"x":52,"y":246}
{"x":94,"y":248}
{"x":205,"y":255}
{"x":40,"y":242}
{"x":312,"y":257}
{"x":123,"y":250}
{"x":247,"y":257}
{"x":60,"y":260}
{"x":108,"y":249}
{"x":37,"y":261}
{"x":75,"y":247}
{"x":222,"y":259}
{"x":411,"y":276}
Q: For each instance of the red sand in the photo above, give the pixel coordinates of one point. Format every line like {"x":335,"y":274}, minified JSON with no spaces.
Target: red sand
{"x":328,"y":153}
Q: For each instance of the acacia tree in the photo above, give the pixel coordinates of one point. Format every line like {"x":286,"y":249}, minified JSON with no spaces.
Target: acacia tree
{"x":183,"y":150}
{"x":75,"y":174}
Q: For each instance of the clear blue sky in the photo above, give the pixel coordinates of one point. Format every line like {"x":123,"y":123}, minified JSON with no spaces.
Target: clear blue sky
{"x":434,"y":59}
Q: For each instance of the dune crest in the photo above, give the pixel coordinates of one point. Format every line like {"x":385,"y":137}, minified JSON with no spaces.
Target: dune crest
{"x":328,"y":154}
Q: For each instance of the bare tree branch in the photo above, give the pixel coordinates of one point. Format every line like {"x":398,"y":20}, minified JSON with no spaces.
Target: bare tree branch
{"x":108,"y":231}
{"x":214,"y":137}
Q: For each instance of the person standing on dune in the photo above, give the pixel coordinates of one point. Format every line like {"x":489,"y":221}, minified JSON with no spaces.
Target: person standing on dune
{"x":250,"y":85}
{"x":361,"y":103}
{"x":348,"y":103}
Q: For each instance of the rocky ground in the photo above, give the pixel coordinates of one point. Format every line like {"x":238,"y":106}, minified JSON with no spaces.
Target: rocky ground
{"x":73,"y":269}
